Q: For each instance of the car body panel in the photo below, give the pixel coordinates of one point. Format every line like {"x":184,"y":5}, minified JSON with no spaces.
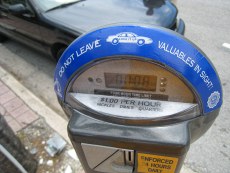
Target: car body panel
{"x":91,"y":14}
{"x":23,"y":28}
{"x":49,"y":31}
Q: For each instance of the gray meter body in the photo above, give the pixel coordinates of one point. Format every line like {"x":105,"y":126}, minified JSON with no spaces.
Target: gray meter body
{"x":136,"y":97}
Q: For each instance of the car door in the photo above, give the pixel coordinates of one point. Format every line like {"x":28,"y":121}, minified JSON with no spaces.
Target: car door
{"x":22,"y":23}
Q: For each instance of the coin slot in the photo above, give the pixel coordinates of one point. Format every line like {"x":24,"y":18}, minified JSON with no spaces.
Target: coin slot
{"x":129,"y":157}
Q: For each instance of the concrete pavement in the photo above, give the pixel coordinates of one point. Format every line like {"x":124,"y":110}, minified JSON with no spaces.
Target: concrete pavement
{"x":35,"y":123}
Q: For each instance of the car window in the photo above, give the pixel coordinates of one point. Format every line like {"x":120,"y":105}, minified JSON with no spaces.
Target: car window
{"x":7,"y":3}
{"x":13,"y":2}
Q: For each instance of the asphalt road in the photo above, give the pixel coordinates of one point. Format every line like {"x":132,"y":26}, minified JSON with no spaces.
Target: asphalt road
{"x":207,"y":25}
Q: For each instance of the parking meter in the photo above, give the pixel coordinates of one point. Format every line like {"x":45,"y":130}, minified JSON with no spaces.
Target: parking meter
{"x":137,"y":97}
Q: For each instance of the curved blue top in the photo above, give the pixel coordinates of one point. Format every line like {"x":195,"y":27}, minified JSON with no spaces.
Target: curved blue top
{"x":157,"y":44}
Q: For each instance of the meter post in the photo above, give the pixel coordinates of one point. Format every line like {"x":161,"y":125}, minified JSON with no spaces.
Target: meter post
{"x":137,"y":96}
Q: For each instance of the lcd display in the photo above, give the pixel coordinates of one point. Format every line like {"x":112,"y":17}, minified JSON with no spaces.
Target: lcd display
{"x":130,"y":81}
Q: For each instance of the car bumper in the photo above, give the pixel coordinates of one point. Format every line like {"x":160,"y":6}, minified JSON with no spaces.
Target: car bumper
{"x":180,"y":26}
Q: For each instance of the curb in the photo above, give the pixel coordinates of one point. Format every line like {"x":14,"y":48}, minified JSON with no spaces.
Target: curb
{"x":54,"y":120}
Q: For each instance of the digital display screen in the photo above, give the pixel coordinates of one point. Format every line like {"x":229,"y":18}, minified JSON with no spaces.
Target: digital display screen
{"x":130,"y":81}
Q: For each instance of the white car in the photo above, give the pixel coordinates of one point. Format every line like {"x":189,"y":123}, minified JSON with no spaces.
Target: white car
{"x":128,"y":37}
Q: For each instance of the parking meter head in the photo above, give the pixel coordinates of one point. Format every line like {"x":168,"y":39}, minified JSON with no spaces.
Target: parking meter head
{"x":137,"y":74}
{"x":136,"y":95}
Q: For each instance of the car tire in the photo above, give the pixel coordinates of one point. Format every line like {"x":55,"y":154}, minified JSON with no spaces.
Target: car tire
{"x":2,"y":38}
{"x":140,"y":42}
{"x":59,"y":53}
{"x":115,"y":41}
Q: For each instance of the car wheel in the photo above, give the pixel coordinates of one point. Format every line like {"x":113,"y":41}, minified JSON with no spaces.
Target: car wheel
{"x":2,"y":38}
{"x":141,"y":42}
{"x":115,"y":41}
{"x":59,"y":53}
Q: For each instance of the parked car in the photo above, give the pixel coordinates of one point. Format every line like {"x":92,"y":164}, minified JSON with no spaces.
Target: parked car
{"x":50,"y":26}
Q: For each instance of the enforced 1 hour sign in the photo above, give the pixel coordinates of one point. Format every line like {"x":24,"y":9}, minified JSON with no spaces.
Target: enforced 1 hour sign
{"x":148,"y":163}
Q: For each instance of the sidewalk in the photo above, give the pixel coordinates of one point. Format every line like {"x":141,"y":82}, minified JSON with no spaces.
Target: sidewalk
{"x":35,"y":123}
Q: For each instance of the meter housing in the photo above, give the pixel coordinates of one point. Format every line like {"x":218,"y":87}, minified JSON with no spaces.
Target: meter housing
{"x":136,"y":96}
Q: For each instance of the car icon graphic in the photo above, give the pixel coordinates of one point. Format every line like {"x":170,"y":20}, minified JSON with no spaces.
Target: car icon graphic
{"x":128,"y":37}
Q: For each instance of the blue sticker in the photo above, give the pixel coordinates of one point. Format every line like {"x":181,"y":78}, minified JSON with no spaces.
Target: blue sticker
{"x":157,"y":44}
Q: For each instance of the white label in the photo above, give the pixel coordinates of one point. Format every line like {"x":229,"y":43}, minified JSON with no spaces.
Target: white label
{"x":128,"y":37}
{"x":88,"y":47}
{"x":79,"y":52}
{"x":213,"y":99}
{"x":130,"y":107}
{"x":189,"y":61}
